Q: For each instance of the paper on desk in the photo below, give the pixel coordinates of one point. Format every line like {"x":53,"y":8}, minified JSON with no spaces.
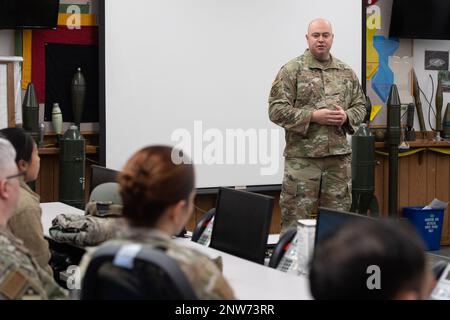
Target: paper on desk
{"x":436,"y":204}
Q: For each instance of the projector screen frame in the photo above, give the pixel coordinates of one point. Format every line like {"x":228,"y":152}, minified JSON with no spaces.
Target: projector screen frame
{"x":102,"y":96}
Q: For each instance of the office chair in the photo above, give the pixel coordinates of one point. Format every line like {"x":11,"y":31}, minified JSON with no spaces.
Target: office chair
{"x":63,"y":256}
{"x":134,"y":272}
{"x":241,"y":224}
{"x":101,"y":175}
{"x":282,"y":246}
{"x":106,"y":192}
{"x":202,"y":224}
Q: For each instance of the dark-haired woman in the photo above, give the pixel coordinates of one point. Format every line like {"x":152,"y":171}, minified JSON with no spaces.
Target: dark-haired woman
{"x":26,"y":223}
{"x":158,"y":200}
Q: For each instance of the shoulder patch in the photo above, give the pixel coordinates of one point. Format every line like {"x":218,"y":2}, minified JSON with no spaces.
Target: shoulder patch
{"x":13,"y":284}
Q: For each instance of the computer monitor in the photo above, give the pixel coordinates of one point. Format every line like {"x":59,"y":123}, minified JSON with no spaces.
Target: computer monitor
{"x":329,"y":220}
{"x":101,"y":175}
{"x":242,"y":223}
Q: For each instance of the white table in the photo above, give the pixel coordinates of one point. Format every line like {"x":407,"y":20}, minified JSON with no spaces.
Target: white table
{"x":51,"y":209}
{"x":252,"y":281}
{"x":249,"y":280}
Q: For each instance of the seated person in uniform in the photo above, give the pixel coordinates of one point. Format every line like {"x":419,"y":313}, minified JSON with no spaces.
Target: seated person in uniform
{"x":158,"y":200}
{"x":21,"y":277}
{"x":371,"y":259}
{"x":26,"y":223}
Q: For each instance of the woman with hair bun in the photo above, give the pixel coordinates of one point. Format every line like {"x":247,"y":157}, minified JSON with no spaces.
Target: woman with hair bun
{"x":158,"y":200}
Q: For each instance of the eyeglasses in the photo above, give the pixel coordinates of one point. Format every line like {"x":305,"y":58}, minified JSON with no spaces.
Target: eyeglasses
{"x":18,"y":175}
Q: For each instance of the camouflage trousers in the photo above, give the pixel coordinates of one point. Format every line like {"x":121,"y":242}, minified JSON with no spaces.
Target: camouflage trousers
{"x":312,"y":182}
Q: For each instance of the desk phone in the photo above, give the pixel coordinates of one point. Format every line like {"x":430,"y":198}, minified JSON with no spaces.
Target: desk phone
{"x":289,"y":261}
{"x":442,"y":289}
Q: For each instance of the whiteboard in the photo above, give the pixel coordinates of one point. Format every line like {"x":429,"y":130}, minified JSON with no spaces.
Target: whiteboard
{"x":196,"y":74}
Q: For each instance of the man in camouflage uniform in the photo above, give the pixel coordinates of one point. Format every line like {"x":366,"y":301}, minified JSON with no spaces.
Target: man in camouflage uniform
{"x":317,"y":99}
{"x":21,"y":277}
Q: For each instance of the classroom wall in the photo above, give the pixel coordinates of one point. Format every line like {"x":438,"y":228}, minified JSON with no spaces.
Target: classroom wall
{"x":416,"y":50}
{"x":405,"y":49}
{"x":7,"y":48}
{"x":423,"y":76}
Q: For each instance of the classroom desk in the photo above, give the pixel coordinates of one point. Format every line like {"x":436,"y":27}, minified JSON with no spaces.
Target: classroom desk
{"x":249,"y":280}
{"x":252,"y":281}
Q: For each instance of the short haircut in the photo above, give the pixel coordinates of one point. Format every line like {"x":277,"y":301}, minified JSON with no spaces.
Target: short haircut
{"x":339,"y":267}
{"x":321,"y":20}
{"x":7,"y":156}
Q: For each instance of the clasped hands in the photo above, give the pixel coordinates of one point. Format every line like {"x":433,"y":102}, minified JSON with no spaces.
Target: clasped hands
{"x":329,"y":117}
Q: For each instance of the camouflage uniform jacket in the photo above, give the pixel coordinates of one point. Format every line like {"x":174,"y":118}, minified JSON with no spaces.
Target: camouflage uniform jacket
{"x":26,"y":225}
{"x":83,"y":231}
{"x":304,"y":85}
{"x":204,"y":275}
{"x":20,"y":274}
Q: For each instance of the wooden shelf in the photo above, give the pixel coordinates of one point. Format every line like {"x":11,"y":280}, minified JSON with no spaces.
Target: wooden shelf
{"x":419,"y":143}
{"x":53,"y":150}
{"x":83,"y":133}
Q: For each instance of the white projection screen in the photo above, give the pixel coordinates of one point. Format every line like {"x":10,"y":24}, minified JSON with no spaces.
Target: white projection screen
{"x":196,"y":74}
